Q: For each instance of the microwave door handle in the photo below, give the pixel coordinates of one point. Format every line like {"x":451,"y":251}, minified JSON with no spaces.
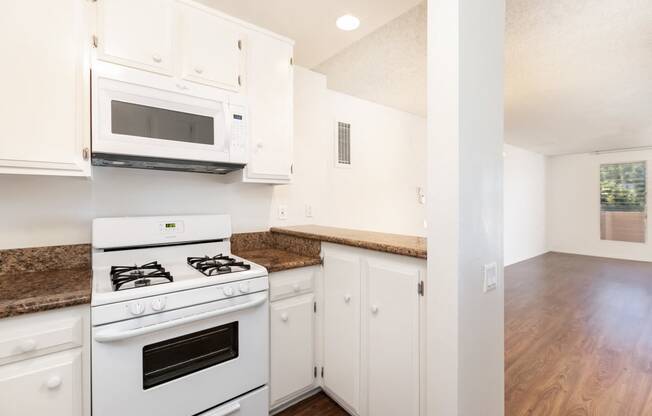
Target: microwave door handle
{"x":229,"y":409}
{"x":116,"y":335}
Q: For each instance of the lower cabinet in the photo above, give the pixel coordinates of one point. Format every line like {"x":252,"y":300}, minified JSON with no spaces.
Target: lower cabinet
{"x":371,"y":337}
{"x":292,"y":351}
{"x":45,"y":363}
{"x":293,"y":331}
{"x":48,"y":385}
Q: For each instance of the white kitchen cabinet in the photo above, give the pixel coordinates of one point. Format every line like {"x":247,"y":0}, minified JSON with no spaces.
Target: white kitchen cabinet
{"x":391,"y":338}
{"x":270,"y":90}
{"x":45,"y":363}
{"x":210,"y":48}
{"x":136,"y":33}
{"x":372,"y":339}
{"x":292,"y":350}
{"x":44,"y":112}
{"x":341,"y":335}
{"x":48,"y":385}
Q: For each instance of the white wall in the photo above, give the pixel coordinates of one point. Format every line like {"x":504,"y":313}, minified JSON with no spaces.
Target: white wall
{"x":378,"y":193}
{"x":525,"y":204}
{"x":465,"y":340}
{"x":573,"y":217}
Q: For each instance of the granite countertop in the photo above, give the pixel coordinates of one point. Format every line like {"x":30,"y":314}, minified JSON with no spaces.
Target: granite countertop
{"x":276,"y":260}
{"x":44,"y":278}
{"x":41,"y":291}
{"x":389,"y":243}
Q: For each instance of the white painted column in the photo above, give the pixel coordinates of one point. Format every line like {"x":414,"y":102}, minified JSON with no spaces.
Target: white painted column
{"x":465,"y":342}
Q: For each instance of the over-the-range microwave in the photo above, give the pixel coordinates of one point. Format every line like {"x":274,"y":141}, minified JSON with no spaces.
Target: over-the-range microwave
{"x":150,"y":121}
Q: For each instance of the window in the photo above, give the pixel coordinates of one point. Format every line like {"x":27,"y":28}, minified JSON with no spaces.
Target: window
{"x":623,"y":195}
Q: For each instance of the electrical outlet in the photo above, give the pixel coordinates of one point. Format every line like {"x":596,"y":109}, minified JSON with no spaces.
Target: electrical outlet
{"x":308,"y":211}
{"x":421,"y":195}
{"x":282,"y":212}
{"x":490,"y":277}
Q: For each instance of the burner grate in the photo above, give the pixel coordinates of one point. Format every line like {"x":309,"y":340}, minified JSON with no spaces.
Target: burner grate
{"x":217,"y":265}
{"x":130,"y":277}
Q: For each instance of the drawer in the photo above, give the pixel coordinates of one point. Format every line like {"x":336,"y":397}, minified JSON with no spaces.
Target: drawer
{"x":255,"y":403}
{"x":290,"y":283}
{"x":49,"y":385}
{"x":37,"y":335}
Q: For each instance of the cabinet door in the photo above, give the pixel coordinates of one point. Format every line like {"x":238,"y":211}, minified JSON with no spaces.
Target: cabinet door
{"x":342,"y":327}
{"x":269,"y":85}
{"x":49,"y":385}
{"x":210,"y":48}
{"x":136,"y":33}
{"x":391,"y":320}
{"x":292,"y":350}
{"x":45,"y":97}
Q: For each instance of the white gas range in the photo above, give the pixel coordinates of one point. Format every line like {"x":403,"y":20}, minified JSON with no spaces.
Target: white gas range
{"x":180,"y":326}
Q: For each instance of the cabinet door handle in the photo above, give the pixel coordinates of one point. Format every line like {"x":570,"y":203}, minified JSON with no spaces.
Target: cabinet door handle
{"x":199,"y":70}
{"x":86,"y":153}
{"x":374,"y":309}
{"x":347,"y":298}
{"x":157,"y":58}
{"x":53,"y":383}
{"x":284,"y":317}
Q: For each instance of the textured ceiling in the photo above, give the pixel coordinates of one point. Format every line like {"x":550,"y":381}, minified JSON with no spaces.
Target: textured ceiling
{"x":388,"y":66}
{"x":311,"y":23}
{"x":578,"y":74}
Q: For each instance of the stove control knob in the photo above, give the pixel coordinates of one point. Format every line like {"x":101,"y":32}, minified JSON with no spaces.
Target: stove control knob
{"x":228,"y":291}
{"x":158,"y":304}
{"x":136,"y":308}
{"x":244,"y":287}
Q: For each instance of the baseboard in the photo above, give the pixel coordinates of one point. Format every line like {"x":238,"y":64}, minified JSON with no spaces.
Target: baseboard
{"x":301,"y":397}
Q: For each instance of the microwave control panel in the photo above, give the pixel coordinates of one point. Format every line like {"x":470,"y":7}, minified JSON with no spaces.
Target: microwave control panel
{"x":239,"y":133}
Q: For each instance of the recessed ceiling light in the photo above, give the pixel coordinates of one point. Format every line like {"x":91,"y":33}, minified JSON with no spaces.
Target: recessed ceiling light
{"x":347,"y":22}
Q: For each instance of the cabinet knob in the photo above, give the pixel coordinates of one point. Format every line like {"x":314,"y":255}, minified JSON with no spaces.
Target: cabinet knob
{"x":157,"y":58}
{"x":296,"y":288}
{"x":374,"y":309}
{"x":284,"y":317}
{"x":53,"y":382}
{"x":199,"y":70}
{"x":347,"y":298}
{"x":259,"y":145}
{"x":27,"y":345}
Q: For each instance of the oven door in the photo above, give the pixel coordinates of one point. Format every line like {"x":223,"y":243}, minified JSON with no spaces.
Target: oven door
{"x":181,"y":362}
{"x":140,"y":120}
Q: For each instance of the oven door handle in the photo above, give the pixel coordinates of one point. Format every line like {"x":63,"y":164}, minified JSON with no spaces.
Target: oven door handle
{"x":118,"y":335}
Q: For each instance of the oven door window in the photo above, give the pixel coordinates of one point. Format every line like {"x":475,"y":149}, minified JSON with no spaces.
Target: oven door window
{"x":159,"y":123}
{"x":187,"y":354}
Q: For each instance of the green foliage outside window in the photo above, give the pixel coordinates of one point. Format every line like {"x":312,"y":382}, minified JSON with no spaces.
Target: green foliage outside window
{"x":623,"y":187}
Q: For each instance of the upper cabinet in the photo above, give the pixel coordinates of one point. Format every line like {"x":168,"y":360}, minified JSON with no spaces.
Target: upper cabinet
{"x":45,"y":110}
{"x":211,"y":48}
{"x":270,"y":91}
{"x":136,"y":33}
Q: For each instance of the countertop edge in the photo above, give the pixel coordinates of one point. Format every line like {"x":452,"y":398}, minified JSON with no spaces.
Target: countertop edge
{"x":370,"y":245}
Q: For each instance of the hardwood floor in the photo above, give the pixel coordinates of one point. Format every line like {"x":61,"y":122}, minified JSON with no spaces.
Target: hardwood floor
{"x":578,"y":337}
{"x":317,"y":405}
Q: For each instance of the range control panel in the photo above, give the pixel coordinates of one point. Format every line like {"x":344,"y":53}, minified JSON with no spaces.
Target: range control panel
{"x":171,"y":227}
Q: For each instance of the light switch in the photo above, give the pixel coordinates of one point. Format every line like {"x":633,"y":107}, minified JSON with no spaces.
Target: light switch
{"x":282,"y":212}
{"x":308,"y":211}
{"x":490,"y":277}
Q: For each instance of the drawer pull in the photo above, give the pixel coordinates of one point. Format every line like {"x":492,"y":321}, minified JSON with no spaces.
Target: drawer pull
{"x":347,"y":298}
{"x":157,"y":58}
{"x":27,"y":345}
{"x":199,"y":70}
{"x":284,"y":317}
{"x":374,"y":309}
{"x":296,"y":288}
{"x":53,"y":383}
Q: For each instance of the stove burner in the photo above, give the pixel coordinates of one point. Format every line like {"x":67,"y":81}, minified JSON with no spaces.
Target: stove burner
{"x":145,"y":275}
{"x":216,"y":265}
